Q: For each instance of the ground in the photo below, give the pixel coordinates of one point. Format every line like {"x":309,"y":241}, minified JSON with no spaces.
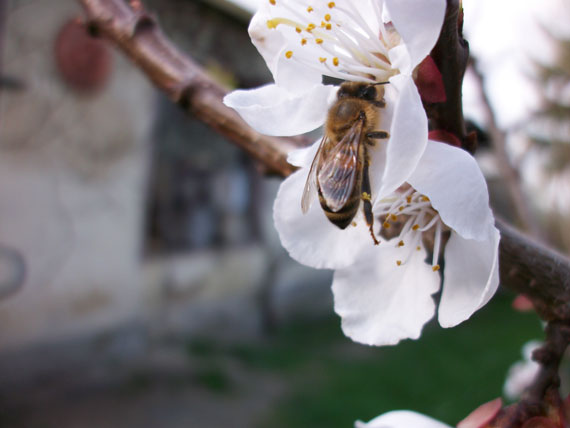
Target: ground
{"x":306,"y":374}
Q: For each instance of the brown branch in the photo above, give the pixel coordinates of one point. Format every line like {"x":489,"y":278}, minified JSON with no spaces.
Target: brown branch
{"x":541,"y":405}
{"x":540,"y":273}
{"x":451,"y":55}
{"x":507,"y":170}
{"x":136,"y":33}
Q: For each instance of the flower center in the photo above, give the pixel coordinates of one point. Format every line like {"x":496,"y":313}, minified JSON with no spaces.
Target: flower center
{"x":410,"y":217}
{"x":336,"y":40}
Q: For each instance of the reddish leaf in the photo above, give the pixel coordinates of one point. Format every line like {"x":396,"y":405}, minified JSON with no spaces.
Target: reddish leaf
{"x":430,"y":82}
{"x":482,"y":415}
{"x":444,"y":137}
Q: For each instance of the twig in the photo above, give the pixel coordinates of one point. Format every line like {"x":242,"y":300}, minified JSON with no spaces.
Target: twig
{"x":451,"y":54}
{"x":509,"y":173}
{"x":538,"y":272}
{"x":136,"y":33}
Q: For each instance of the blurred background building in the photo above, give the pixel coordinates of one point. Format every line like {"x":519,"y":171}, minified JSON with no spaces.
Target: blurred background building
{"x":137,"y":252}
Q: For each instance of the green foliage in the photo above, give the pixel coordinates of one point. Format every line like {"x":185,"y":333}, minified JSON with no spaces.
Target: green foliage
{"x":214,"y":378}
{"x":331,"y":381}
{"x":446,"y":374}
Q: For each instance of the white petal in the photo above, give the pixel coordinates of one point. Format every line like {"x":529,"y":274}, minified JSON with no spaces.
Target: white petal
{"x":419,"y":23}
{"x":304,"y":157}
{"x":267,"y":41}
{"x":401,"y":419}
{"x":452,"y":180}
{"x":471,"y":276}
{"x":519,"y":378}
{"x":272,"y":43}
{"x":311,"y":238}
{"x":408,"y":135}
{"x":272,"y":110}
{"x":381,"y":303}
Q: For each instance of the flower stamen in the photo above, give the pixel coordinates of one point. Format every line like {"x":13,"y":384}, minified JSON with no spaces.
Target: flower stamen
{"x":358,"y":53}
{"x":421,"y":219}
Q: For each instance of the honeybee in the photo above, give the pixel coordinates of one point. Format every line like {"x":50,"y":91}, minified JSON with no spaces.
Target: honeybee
{"x":340,"y":167}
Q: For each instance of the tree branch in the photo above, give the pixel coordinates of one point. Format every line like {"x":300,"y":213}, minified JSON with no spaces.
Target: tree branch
{"x":451,"y":55}
{"x":136,"y":33}
{"x":509,"y":174}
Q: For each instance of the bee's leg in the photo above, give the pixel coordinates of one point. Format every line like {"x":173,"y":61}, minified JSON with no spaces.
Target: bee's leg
{"x":366,"y":201}
{"x":378,"y":135}
{"x":379,"y":103}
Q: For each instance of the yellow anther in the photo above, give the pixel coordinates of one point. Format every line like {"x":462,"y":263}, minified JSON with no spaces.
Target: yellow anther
{"x":409,"y":199}
{"x":331,"y":4}
{"x":399,"y":262}
{"x":289,"y":54}
{"x":335,"y":61}
{"x":318,"y":41}
{"x":418,"y":248}
{"x":311,"y":27}
{"x":328,"y":26}
{"x":322,"y":59}
{"x":298,"y":29}
{"x":327,"y":17}
{"x":401,"y":209}
{"x":273,"y":2}
{"x":393,"y":217}
{"x":425,"y":199}
{"x":435,"y":268}
{"x":366,"y":196}
{"x":401,"y":244}
{"x":303,"y":42}
{"x":353,"y":224}
{"x":310,"y":9}
{"x":386,"y":225}
{"x":415,"y":227}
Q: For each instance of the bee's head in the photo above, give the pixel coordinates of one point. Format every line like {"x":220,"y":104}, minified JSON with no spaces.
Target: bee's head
{"x":361,"y":90}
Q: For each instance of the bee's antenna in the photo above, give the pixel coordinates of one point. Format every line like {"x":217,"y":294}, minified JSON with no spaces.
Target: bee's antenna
{"x":379,"y":83}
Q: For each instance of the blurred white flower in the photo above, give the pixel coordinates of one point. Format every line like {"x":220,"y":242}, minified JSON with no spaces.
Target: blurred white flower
{"x":478,"y":418}
{"x":401,"y":419}
{"x":522,"y":373}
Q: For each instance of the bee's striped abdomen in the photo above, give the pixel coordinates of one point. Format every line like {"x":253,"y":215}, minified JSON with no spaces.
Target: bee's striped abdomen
{"x":344,"y":216}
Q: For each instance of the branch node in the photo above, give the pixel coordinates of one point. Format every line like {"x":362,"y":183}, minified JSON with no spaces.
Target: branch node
{"x":143,"y":22}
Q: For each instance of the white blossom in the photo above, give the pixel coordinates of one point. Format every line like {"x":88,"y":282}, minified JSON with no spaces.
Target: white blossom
{"x":401,"y":419}
{"x":356,"y":40}
{"x":428,"y":198}
{"x":386,"y":294}
{"x":522,"y":373}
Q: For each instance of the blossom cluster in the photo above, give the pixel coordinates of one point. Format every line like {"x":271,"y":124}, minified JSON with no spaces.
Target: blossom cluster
{"x":429,"y":199}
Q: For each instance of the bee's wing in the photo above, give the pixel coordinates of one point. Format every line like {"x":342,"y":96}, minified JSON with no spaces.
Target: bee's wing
{"x":337,"y":176}
{"x":309,"y":190}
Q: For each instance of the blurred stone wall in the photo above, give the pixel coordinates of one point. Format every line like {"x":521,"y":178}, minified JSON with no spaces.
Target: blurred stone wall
{"x":74,"y":132}
{"x":120,"y":212}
